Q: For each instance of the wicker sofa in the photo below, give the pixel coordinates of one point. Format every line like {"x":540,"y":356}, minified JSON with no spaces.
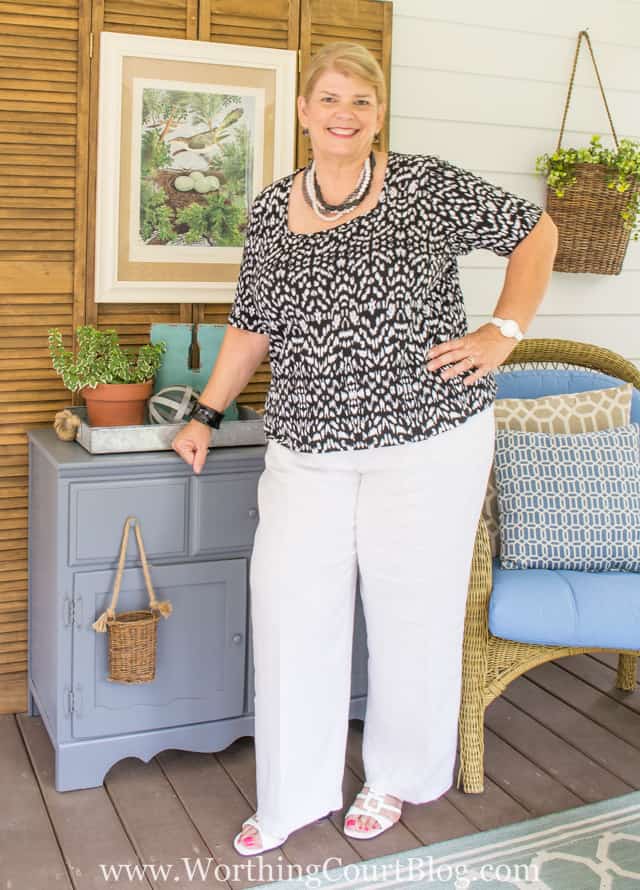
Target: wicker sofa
{"x":490,"y":663}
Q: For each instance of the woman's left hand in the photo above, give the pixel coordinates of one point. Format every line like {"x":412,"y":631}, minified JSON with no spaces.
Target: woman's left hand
{"x":487,"y":346}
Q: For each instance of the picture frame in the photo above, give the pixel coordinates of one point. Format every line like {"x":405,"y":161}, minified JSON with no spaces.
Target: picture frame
{"x":189,"y":132}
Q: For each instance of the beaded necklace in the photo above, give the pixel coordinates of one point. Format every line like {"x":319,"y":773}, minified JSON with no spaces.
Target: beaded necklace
{"x":329,"y":212}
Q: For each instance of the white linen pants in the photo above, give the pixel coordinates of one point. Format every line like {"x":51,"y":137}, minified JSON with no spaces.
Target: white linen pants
{"x":406,"y":517}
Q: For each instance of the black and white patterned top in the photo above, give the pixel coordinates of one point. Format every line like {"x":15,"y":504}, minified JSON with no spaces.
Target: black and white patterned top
{"x":352,"y":311}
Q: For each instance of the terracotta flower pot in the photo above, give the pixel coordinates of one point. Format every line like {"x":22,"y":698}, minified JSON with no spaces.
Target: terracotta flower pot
{"x":117,"y":404}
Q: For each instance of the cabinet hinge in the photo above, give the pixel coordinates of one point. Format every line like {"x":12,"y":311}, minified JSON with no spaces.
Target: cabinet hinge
{"x":73,"y":703}
{"x":72,"y":611}
{"x":91,"y":44}
{"x":68,"y":611}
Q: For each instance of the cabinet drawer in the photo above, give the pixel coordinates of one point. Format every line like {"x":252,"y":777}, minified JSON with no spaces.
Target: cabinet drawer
{"x":98,"y":512}
{"x":224,"y":511}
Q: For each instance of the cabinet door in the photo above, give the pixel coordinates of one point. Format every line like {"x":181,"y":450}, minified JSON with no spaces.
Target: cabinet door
{"x":200,"y":658}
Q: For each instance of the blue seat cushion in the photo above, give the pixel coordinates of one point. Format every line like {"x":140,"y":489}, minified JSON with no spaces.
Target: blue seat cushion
{"x":566,"y":608}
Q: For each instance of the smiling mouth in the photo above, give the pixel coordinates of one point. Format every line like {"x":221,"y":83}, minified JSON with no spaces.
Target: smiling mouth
{"x":343,"y":132}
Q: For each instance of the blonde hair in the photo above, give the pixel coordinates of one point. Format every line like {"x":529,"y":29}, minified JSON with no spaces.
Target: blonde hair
{"x":348,"y":58}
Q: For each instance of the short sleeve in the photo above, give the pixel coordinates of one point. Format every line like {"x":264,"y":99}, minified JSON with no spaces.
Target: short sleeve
{"x":477,"y":213}
{"x":245,"y":312}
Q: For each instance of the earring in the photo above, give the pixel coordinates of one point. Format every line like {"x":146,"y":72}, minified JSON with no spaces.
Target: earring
{"x":305,"y":131}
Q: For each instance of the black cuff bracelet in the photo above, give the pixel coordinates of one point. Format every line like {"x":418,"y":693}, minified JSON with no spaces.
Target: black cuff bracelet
{"x":205,"y":414}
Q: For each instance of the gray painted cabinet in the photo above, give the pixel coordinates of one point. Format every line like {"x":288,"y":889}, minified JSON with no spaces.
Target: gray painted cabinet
{"x":198,"y":533}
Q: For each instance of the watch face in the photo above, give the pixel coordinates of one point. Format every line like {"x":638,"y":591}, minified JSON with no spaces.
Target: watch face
{"x":510,"y":328}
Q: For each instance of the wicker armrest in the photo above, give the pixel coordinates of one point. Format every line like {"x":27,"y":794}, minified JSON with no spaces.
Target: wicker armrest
{"x":474,"y":665}
{"x":480,"y":584}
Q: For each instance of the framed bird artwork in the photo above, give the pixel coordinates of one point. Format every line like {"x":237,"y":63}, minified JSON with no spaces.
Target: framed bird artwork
{"x":188,"y":133}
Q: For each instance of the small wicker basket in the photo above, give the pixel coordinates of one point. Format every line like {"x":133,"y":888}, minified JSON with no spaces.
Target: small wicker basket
{"x":132,"y":635}
{"x":592,"y":234}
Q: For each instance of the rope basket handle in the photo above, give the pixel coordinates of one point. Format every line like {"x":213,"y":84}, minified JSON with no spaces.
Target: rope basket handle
{"x":164,"y":608}
{"x":573,"y":74}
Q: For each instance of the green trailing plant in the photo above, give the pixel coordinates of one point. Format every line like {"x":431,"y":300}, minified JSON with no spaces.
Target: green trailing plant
{"x":101,"y":359}
{"x":622,"y":163}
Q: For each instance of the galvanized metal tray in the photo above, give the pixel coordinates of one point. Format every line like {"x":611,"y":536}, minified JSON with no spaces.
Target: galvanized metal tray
{"x":247,"y":430}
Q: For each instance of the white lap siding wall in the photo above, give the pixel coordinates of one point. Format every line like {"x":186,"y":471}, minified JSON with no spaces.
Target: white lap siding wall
{"x":483,"y":85}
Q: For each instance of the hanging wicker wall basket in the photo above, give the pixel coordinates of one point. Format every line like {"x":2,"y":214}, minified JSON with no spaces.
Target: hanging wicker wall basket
{"x":132,"y":635}
{"x":592,"y":234}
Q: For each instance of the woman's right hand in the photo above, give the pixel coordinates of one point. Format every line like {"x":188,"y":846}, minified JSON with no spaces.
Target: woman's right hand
{"x":192,"y":444}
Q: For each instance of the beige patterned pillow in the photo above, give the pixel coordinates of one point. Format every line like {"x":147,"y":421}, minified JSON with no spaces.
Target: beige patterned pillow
{"x":580,"y":412}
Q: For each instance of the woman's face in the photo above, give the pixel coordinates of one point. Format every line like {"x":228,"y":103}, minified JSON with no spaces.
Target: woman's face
{"x":342,"y":115}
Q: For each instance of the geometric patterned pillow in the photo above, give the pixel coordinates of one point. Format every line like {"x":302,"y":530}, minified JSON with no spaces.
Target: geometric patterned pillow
{"x":579,"y":412}
{"x":569,"y":501}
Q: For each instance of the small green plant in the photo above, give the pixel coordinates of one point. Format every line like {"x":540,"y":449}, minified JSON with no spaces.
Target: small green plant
{"x":101,"y":359}
{"x":623,"y":164}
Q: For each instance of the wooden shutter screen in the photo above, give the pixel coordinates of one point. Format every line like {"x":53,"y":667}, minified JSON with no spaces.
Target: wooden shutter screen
{"x":48,"y":128}
{"x":273,"y":23}
{"x":42,"y":64}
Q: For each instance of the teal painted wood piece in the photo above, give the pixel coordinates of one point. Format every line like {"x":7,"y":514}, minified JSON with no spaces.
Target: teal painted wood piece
{"x":175,"y":369}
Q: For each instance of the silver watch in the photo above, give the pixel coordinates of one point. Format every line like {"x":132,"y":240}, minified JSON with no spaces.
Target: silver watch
{"x":508,"y":327}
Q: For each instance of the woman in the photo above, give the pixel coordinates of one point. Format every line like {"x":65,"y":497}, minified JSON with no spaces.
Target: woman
{"x":380,"y":435}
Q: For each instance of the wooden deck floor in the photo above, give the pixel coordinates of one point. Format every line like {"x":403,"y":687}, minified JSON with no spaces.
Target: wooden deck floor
{"x":561,"y":736}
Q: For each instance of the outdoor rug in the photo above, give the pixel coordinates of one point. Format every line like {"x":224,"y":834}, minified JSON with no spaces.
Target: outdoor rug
{"x":592,"y":847}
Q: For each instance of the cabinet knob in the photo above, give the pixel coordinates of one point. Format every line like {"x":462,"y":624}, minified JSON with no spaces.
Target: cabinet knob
{"x":237,"y":638}
{"x":253,"y":512}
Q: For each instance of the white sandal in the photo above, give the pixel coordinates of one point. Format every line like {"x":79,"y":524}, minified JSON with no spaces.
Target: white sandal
{"x":372,"y":805}
{"x":269,"y":841}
